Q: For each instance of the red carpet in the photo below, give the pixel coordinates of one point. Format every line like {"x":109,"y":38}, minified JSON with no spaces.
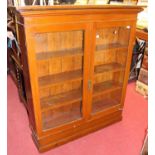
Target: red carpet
{"x":123,"y":138}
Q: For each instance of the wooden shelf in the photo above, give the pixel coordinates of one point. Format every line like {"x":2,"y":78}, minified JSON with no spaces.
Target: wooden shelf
{"x":103,"y":104}
{"x":67,"y":52}
{"x":60,"y":100}
{"x":111,"y":47}
{"x":105,"y":87}
{"x":112,"y":67}
{"x":61,"y":117}
{"x":47,"y":81}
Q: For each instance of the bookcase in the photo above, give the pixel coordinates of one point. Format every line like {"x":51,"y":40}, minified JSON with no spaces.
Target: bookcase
{"x":76,"y":62}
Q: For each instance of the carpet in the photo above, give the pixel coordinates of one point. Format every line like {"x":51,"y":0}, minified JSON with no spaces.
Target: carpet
{"x":122,"y":138}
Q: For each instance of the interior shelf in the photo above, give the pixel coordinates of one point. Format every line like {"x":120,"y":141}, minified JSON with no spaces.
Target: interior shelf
{"x":111,"y":46}
{"x":67,"y":52}
{"x":60,"y":100}
{"x":62,"y":116}
{"x":105,"y":87}
{"x":112,"y":67}
{"x":49,"y":80}
{"x":103,"y":104}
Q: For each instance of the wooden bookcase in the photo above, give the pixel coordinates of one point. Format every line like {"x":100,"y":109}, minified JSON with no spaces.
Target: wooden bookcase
{"x":76,"y":62}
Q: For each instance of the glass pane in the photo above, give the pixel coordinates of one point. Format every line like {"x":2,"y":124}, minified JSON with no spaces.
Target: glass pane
{"x":110,"y":62}
{"x":59,"y":57}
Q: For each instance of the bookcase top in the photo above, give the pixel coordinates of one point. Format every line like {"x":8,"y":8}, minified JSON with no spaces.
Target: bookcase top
{"x":74,"y":7}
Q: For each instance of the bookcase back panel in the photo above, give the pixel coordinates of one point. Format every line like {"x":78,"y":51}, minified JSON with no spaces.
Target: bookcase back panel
{"x":103,"y":77}
{"x":60,"y":88}
{"x":104,"y":57}
{"x":59,"y":64}
{"x":107,"y":36}
{"x":112,"y":37}
{"x":58,"y":41}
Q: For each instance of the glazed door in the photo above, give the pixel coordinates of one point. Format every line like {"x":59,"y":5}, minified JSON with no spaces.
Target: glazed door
{"x":110,"y":64}
{"x":59,"y":59}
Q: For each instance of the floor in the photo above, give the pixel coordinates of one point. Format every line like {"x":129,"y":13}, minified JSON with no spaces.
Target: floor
{"x":122,"y":138}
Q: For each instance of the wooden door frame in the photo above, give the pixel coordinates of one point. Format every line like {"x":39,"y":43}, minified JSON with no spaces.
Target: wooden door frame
{"x":30,"y":32}
{"x":110,"y":24}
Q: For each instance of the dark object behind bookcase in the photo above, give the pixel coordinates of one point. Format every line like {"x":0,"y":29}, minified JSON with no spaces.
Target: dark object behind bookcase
{"x":14,"y":64}
{"x":137,"y":57}
{"x":143,"y":76}
{"x":145,"y":62}
{"x":115,"y":1}
{"x":66,"y":1}
{"x":15,"y":70}
{"x":144,"y":150}
{"x":9,"y":2}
